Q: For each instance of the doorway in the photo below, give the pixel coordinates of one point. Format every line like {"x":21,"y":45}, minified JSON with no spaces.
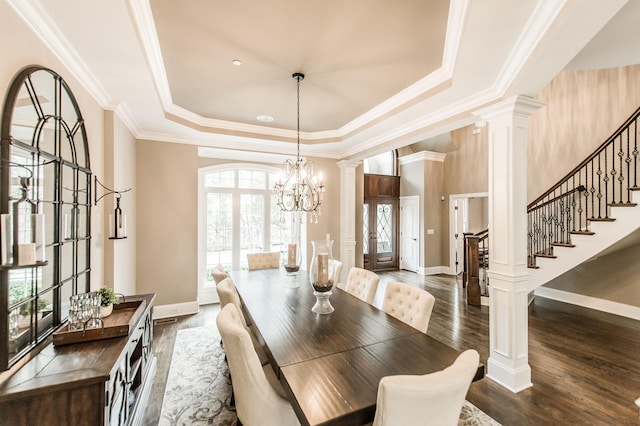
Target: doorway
{"x":468,"y":213}
{"x":380,"y":222}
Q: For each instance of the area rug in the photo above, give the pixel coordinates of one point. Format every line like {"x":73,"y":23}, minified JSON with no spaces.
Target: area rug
{"x":198,"y":388}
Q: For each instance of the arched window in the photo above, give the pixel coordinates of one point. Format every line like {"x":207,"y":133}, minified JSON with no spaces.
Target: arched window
{"x":382,"y":164}
{"x":238,"y":215}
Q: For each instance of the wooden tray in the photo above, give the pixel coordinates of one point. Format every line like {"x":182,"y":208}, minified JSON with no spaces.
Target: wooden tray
{"x":120,"y":323}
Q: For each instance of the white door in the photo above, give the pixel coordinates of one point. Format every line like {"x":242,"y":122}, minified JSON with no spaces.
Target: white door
{"x":409,"y":232}
{"x":460,"y":228}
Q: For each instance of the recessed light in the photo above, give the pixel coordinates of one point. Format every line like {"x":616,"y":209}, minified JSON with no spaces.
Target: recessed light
{"x":236,"y":62}
{"x":265,"y":118}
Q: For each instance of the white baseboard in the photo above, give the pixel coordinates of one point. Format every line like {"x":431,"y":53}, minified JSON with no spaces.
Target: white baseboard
{"x":175,"y":310}
{"x":434,"y":270}
{"x":608,"y":306}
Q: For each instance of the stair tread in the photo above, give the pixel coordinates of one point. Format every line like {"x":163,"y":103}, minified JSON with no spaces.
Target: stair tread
{"x":548,"y":256}
{"x":533,"y":267}
{"x":582,"y":232}
{"x":563,"y":244}
{"x":623,"y":204}
{"x":601,"y":219}
{"x":634,"y":188}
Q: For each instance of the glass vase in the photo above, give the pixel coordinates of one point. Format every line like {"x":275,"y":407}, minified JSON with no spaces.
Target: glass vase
{"x":321,"y":275}
{"x":292,"y":260}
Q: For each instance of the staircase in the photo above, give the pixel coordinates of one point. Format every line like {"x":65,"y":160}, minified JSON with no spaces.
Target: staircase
{"x":592,"y":208}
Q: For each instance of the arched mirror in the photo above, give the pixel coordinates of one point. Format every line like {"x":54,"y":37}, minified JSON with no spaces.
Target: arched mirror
{"x":45,"y":195}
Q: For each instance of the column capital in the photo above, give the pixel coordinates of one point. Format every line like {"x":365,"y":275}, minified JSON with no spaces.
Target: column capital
{"x":516,"y":105}
{"x":345,"y":164}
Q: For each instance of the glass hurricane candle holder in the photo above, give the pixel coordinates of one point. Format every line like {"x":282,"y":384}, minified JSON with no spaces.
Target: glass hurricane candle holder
{"x":321,"y":275}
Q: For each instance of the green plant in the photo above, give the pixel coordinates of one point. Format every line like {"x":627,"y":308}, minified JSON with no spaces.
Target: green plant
{"x":107,"y":296}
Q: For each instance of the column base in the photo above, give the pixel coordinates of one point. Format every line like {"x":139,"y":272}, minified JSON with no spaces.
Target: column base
{"x":515,"y":380}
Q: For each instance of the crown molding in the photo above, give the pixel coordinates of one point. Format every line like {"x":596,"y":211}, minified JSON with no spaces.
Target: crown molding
{"x":422,"y":156}
{"x":39,"y":21}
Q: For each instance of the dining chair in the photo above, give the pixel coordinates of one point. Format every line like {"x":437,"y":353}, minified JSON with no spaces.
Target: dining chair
{"x":410,"y":304}
{"x":256,"y":400}
{"x":228,"y":294}
{"x":219,"y":273}
{"x":265,"y":260}
{"x":435,"y":398}
{"x":362,"y":284}
{"x":337,"y":274}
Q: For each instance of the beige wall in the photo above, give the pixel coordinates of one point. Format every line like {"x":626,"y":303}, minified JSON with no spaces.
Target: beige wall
{"x":21,"y":48}
{"x":583,"y":108}
{"x":166,"y":201}
{"x":412,"y":182}
{"x":120,"y":160}
{"x":433,"y":214}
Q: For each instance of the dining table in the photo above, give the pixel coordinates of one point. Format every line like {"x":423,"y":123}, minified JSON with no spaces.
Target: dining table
{"x":330,"y":365}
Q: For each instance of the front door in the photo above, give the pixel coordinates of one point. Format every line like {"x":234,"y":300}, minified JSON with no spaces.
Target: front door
{"x":380,"y":220}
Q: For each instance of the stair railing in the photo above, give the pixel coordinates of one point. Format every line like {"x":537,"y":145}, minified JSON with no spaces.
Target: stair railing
{"x":605,"y":178}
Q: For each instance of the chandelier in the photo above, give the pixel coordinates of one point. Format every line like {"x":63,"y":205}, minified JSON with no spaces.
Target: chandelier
{"x":299,"y":191}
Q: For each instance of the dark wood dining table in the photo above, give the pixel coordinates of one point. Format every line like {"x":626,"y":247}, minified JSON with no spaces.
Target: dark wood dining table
{"x":330,"y":365}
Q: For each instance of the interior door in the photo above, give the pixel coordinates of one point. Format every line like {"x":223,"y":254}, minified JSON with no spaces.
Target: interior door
{"x":381,"y":232}
{"x":409,"y":233}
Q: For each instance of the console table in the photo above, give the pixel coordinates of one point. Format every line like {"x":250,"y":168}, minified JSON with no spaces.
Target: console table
{"x":101,"y":382}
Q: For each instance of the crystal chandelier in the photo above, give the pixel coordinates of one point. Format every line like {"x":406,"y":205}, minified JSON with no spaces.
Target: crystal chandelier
{"x":298,"y":190}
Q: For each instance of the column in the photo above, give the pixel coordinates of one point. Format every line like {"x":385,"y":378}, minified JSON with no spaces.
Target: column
{"x":347,"y":215}
{"x":508,"y":362}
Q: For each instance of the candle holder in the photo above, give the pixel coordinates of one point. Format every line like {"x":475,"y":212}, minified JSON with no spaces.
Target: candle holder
{"x":321,"y":275}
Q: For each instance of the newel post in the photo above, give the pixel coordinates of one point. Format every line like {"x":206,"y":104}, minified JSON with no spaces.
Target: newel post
{"x":508,"y":362}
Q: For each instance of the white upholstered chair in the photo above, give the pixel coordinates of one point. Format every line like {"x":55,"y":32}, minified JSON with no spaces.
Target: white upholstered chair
{"x":409,"y":304}
{"x":266,"y":260}
{"x":219,"y":273}
{"x":256,"y":400}
{"x":362,"y":284}
{"x":337,"y":273}
{"x":434,"y":399}
{"x":228,"y":294}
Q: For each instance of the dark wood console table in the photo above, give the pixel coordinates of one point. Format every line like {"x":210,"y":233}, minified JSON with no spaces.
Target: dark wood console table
{"x":101,"y":382}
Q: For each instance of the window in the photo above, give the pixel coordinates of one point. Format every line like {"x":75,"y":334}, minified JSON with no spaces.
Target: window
{"x":382,"y":164}
{"x":240,"y":215}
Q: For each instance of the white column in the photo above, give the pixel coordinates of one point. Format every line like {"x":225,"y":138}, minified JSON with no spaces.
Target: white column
{"x":347,"y":215}
{"x":508,"y":362}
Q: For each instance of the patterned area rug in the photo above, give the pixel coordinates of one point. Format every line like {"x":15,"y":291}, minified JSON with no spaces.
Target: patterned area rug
{"x":199,"y":388}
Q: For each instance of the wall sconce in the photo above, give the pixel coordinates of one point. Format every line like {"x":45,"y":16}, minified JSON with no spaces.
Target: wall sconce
{"x":117,"y":220}
{"x":22,"y":230}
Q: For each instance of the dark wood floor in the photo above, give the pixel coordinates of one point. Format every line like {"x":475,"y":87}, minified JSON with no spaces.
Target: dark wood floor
{"x":585,"y":364}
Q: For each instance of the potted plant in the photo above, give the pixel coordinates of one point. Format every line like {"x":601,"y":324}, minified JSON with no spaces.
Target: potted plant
{"x":107,"y":299}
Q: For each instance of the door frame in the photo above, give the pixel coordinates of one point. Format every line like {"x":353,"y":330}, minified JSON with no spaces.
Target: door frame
{"x":452,"y":224}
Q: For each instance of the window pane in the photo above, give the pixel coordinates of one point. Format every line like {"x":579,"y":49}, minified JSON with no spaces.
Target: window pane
{"x":384,"y":225}
{"x":252,"y":179}
{"x":219,"y":233}
{"x":280,"y":230}
{"x":251,"y":225}
{"x":223,"y":179}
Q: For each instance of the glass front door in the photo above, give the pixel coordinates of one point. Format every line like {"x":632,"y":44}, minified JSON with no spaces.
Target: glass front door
{"x":380,"y":231}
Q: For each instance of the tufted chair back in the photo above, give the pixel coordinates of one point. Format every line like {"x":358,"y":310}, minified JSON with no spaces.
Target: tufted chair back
{"x":257,"y":402}
{"x":337,"y":274}
{"x":263,"y":260}
{"x":219,"y":273}
{"x":409,"y":304}
{"x":228,"y":294}
{"x":435,"y":398}
{"x":362,"y":284}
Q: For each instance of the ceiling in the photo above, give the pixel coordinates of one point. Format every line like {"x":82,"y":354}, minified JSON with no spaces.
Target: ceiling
{"x":379,"y":74}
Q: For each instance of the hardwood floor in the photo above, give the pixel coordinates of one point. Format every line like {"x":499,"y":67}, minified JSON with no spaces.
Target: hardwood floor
{"x":585,"y":364}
